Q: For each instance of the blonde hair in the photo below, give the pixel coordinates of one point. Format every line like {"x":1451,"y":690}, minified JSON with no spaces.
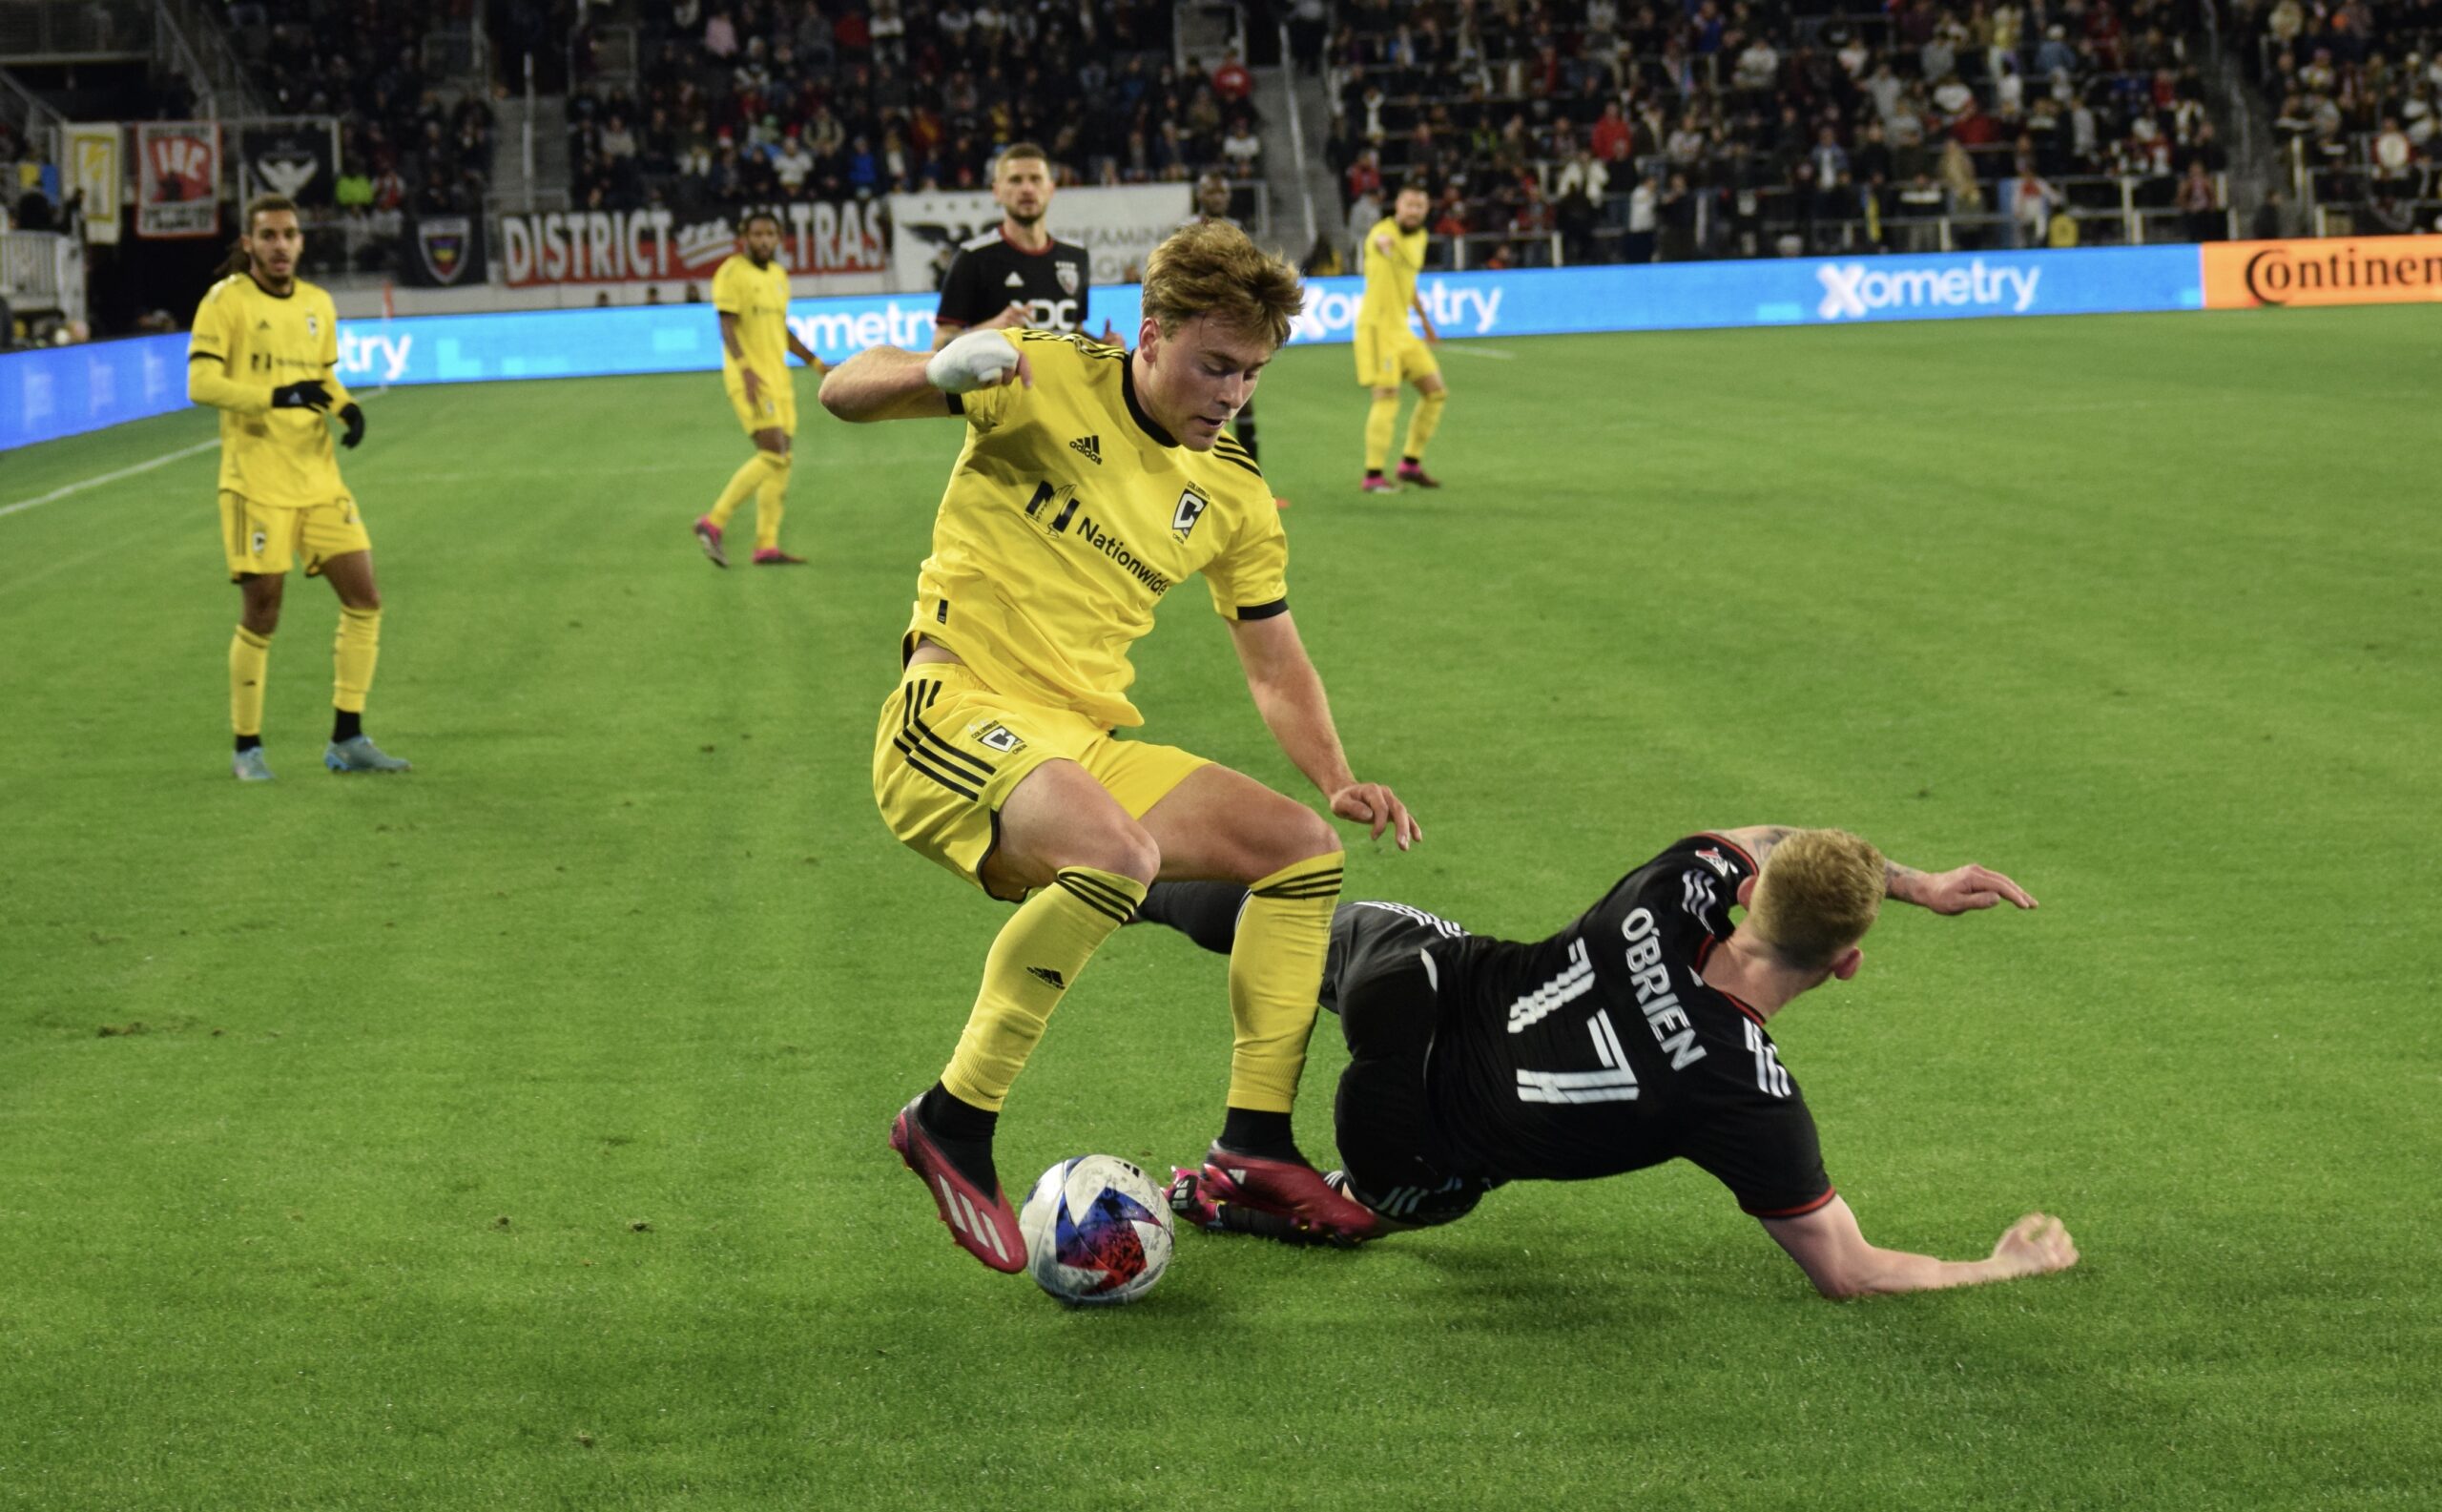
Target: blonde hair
{"x":1818,"y":895}
{"x":1214,"y":269}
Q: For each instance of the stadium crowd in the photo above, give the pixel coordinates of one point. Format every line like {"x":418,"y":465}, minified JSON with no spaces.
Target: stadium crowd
{"x":2357,"y":87}
{"x":794,"y":99}
{"x":1631,"y":131}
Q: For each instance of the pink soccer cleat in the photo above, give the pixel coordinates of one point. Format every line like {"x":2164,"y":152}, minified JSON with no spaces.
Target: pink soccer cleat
{"x":708,"y":535}
{"x":981,"y":1221}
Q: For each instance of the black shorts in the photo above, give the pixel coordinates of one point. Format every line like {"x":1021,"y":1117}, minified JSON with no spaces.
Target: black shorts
{"x":1383,"y":989}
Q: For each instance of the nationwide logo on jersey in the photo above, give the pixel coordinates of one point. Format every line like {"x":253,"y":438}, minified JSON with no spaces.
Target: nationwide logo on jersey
{"x":999,"y":738}
{"x":1089,"y":448}
{"x":1714,"y":859}
{"x":1192,"y":508}
{"x":1068,"y":278}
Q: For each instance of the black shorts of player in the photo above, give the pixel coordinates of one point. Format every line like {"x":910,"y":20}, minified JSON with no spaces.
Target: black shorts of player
{"x":1383,"y":1116}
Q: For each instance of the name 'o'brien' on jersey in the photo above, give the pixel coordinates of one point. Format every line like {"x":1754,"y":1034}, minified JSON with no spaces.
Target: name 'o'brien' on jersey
{"x":1068,"y":517}
{"x":1602,"y":1050}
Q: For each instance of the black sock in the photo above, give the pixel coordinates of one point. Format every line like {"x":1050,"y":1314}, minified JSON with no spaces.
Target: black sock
{"x":347,"y":726}
{"x":1410,"y":461}
{"x":1205,"y":912}
{"x":949,"y":1118}
{"x":249,"y":742}
{"x":1374,"y":473}
{"x":1267,"y":1135}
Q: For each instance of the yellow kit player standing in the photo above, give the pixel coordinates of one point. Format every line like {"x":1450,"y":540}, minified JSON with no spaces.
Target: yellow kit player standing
{"x":263,"y":352}
{"x":751,"y":291}
{"x":1093,"y":481}
{"x":1388,"y":353}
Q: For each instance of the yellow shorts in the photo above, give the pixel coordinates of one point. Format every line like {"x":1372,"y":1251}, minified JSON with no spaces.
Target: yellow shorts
{"x":777,"y":407}
{"x":267,"y":540}
{"x":949,"y":750}
{"x":1386,"y":359}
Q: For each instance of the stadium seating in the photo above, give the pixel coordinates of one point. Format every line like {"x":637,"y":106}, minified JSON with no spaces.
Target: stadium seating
{"x":1609,"y":130}
{"x":2356,"y":88}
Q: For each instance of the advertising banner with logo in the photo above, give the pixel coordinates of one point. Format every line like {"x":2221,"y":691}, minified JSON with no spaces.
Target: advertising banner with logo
{"x":2343,"y":270}
{"x":50,"y":392}
{"x":97,"y":170}
{"x":297,"y":156}
{"x":443,"y":252}
{"x":1117,"y":226}
{"x":1794,"y":291}
{"x":177,"y":178}
{"x":639,"y":246}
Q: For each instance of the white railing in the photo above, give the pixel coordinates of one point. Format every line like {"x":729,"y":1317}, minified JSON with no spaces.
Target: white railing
{"x":1296,"y":146}
{"x":42,"y":272}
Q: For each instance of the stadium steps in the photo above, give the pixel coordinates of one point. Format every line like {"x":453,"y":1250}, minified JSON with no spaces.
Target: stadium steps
{"x":1293,"y":181}
{"x":548,"y":188}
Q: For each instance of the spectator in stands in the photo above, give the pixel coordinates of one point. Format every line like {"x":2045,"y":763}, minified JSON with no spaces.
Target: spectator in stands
{"x":2200,"y":204}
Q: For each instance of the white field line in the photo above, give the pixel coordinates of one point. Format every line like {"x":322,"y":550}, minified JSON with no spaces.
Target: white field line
{"x":79,"y":487}
{"x":1462,"y":348}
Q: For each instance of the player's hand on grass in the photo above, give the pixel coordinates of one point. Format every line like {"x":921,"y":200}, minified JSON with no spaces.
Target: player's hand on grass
{"x":1967,"y":887}
{"x":981,"y":359}
{"x":2036,"y":1245}
{"x":309,"y":394}
{"x":1373,"y":803}
{"x":352,"y":416}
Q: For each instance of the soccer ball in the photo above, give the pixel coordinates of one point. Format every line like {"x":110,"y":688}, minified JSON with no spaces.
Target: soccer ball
{"x":1097,"y":1231}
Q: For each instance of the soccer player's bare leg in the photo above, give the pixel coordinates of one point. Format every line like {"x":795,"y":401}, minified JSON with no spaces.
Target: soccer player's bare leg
{"x":1420,"y":427}
{"x":353,"y":656}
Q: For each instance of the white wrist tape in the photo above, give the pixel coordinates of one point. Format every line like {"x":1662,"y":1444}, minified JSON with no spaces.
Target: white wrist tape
{"x":977,"y":359}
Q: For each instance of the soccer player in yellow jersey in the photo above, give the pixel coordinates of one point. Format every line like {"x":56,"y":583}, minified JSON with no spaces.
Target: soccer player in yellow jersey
{"x":1093,"y":481}
{"x":1388,"y":354}
{"x":751,"y":291}
{"x":264,"y":353}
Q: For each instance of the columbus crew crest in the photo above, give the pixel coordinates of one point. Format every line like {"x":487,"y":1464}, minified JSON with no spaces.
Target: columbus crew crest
{"x":313,"y":326}
{"x":1192,"y":508}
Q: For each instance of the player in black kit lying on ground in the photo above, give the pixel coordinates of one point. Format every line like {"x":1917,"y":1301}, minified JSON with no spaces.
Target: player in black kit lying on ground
{"x":1634,"y":1036}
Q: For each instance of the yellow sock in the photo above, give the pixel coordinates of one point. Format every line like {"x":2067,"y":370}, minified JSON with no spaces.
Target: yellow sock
{"x":1276,"y":978}
{"x":353,"y":656}
{"x":1428,"y":414}
{"x":1034,"y":961}
{"x":768,"y":497}
{"x":248,"y":663}
{"x":741,"y":483}
{"x":1379,"y":422}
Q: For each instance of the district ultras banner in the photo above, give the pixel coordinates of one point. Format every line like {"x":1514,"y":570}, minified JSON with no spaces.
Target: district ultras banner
{"x":643,"y":246}
{"x":177,"y":178}
{"x":1118,"y":226}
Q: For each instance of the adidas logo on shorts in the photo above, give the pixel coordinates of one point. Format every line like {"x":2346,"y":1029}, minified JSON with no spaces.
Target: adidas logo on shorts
{"x":1089,"y":446}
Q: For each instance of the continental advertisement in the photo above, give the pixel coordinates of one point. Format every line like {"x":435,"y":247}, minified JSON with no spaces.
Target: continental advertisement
{"x":2340,"y":270}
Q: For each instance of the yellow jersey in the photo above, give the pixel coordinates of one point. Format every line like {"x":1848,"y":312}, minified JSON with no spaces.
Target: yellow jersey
{"x":252,"y":342}
{"x":1069,"y":515}
{"x":760,"y":298}
{"x":1390,"y":277}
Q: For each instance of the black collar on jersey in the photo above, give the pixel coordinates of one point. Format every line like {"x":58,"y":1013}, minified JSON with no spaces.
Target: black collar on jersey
{"x":1135,"y":411}
{"x":268,"y":294}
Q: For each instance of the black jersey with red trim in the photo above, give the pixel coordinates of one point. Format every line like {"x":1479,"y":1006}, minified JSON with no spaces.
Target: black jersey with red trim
{"x":992,"y":273}
{"x":1601,"y":1050}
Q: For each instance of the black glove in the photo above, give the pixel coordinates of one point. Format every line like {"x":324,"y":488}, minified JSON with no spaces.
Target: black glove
{"x":307,"y":395}
{"x":352,"y":416}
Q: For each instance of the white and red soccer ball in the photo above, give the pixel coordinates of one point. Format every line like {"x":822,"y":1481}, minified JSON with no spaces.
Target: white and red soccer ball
{"x":1097,"y":1231}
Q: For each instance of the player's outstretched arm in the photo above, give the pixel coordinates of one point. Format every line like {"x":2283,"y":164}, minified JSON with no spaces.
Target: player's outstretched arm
{"x":882,"y":383}
{"x":208,"y":382}
{"x":1833,"y":1253}
{"x":1959,"y":890}
{"x":1289,"y":693}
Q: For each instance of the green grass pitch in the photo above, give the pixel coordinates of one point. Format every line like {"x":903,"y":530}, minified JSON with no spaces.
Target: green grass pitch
{"x":510,"y":1134}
